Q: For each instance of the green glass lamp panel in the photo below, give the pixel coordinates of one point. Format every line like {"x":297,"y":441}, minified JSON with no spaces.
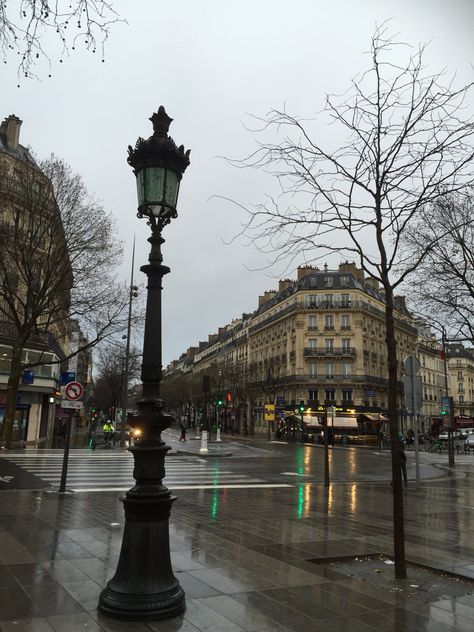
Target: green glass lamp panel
{"x":171,"y":188}
{"x":154,"y":184}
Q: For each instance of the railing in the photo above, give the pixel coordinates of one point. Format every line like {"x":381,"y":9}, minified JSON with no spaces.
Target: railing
{"x":333,"y":351}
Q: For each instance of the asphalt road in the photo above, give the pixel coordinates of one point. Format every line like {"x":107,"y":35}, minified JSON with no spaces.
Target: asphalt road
{"x":232,"y":462}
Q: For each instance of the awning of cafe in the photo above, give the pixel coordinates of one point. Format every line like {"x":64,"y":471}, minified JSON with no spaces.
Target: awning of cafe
{"x":378,"y":417}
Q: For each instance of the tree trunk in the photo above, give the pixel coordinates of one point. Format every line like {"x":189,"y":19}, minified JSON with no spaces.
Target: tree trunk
{"x":397,"y":490}
{"x":12,"y":394}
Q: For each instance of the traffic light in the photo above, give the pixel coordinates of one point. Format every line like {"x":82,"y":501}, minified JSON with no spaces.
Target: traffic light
{"x":220,"y":402}
{"x":446,"y":406}
{"x":228,"y":397}
{"x":301,"y":406}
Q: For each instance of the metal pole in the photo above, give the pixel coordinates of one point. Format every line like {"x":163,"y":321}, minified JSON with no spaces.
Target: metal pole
{"x":127,"y":355}
{"x":67,"y":443}
{"x":450,"y":415}
{"x":326,"y":450}
{"x":415,"y":425}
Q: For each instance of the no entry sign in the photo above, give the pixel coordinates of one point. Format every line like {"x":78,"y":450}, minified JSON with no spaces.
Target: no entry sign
{"x":74,"y":390}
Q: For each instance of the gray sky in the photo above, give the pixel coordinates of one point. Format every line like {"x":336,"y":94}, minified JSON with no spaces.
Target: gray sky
{"x":211,"y":63}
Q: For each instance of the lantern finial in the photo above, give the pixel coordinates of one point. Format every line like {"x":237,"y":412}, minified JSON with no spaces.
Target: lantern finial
{"x":161,"y":122}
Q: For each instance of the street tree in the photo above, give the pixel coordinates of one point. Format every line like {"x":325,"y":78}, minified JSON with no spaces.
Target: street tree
{"x":110,"y":367}
{"x":59,"y":257}
{"x":443,"y":286}
{"x":401,"y":139}
{"x":29,"y":28}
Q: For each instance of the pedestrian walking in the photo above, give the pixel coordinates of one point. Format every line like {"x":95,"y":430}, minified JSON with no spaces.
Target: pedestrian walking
{"x":183,"y":433}
{"x":403,"y":463}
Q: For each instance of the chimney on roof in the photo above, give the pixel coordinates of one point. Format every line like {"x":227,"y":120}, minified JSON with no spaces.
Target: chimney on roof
{"x":351,"y":268}
{"x":10,"y":131}
{"x":284,"y":284}
{"x":303,"y":271}
{"x":267,"y":296}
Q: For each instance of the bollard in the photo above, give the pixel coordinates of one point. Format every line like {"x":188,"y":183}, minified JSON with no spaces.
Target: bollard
{"x":203,"y":447}
{"x":218,"y":438}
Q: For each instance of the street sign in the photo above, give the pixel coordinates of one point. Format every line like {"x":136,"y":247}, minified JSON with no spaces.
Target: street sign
{"x":28,"y":377}
{"x":269,"y":412}
{"x":65,"y":377}
{"x":411,"y":383}
{"x":73,"y":391}
{"x":73,"y":405}
{"x":412,"y":365}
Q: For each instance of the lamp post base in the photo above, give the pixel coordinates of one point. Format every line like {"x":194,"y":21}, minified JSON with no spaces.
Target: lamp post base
{"x":144,"y":587}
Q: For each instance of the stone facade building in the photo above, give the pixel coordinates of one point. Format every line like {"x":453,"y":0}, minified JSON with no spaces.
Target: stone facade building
{"x":23,"y":190}
{"x":318,"y":340}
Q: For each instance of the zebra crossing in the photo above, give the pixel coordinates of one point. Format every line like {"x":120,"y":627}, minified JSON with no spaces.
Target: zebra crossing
{"x":112,"y":471}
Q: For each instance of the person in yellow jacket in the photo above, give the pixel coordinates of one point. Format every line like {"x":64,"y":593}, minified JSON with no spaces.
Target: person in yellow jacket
{"x":108,"y":432}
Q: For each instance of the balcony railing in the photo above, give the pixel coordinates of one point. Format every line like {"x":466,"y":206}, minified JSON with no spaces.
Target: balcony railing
{"x":311,"y":352}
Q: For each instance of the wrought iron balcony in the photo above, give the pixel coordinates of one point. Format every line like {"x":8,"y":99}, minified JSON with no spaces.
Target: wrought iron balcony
{"x":312,"y":352}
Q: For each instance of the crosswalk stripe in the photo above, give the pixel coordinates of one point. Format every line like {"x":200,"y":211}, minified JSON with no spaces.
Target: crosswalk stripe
{"x":184,"y":487}
{"x":92,"y":472}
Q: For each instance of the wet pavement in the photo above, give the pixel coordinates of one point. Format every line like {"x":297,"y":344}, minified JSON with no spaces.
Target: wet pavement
{"x":243,"y":555}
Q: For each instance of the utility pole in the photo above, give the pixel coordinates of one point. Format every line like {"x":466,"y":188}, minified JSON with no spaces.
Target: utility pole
{"x":132,"y":295}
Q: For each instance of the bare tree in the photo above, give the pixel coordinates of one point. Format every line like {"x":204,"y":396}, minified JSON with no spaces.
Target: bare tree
{"x":400,"y":140}
{"x":110,"y":382}
{"x":74,"y":23}
{"x":59,"y":256}
{"x":443,"y":286}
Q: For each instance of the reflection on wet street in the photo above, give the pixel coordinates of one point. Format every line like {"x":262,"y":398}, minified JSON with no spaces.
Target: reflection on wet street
{"x":242,"y":554}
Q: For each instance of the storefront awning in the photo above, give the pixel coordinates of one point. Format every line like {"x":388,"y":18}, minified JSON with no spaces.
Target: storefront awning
{"x":373,"y":417}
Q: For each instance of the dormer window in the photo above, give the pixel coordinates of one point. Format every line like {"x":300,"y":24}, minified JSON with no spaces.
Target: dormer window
{"x":328,"y":281}
{"x":344,"y":279}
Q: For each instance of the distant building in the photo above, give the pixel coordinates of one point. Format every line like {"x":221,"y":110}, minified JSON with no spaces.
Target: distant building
{"x":461,"y":382}
{"x":318,"y":340}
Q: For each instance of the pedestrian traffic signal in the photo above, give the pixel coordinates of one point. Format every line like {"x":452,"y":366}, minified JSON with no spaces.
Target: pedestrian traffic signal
{"x":220,"y":401}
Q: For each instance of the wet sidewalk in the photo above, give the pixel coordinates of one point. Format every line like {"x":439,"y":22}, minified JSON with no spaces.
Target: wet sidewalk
{"x":245,"y":558}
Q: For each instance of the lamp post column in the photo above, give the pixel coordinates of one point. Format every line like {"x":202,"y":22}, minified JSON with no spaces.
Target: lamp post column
{"x":144,"y":586}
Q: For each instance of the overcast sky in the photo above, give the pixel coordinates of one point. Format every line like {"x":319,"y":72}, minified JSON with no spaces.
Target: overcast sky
{"x":211,"y":63}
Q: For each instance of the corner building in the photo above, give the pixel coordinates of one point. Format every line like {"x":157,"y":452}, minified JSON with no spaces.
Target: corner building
{"x":317,"y":340}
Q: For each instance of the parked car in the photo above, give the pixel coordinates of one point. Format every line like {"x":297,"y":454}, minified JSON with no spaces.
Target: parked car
{"x":444,"y":436}
{"x":469,"y":443}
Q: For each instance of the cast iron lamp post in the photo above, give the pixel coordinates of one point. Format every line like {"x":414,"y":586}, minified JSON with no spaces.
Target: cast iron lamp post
{"x":144,"y":586}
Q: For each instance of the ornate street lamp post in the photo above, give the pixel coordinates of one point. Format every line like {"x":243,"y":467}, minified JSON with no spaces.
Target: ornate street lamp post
{"x":144,"y":586}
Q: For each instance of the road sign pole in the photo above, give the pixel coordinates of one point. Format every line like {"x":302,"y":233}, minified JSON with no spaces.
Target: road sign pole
{"x":67,"y":443}
{"x":415,"y":427}
{"x":326,"y":450}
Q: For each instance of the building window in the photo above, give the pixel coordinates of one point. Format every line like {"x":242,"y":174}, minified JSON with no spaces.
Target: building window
{"x":328,"y":322}
{"x":345,"y":321}
{"x":330,"y":394}
{"x":458,"y":361}
{"x":328,"y":300}
{"x":313,"y":394}
{"x":461,"y":387}
{"x":312,"y":343}
{"x":312,"y":322}
{"x":311,"y":300}
{"x":312,"y":367}
{"x":328,"y":281}
{"x":347,"y":394}
{"x":345,"y":300}
{"x":460,"y":375}
{"x":346,"y":368}
{"x":329,"y":344}
{"x":461,"y":399}
{"x":329,"y":370}
{"x":344,"y":278}
{"x":346,"y":344}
